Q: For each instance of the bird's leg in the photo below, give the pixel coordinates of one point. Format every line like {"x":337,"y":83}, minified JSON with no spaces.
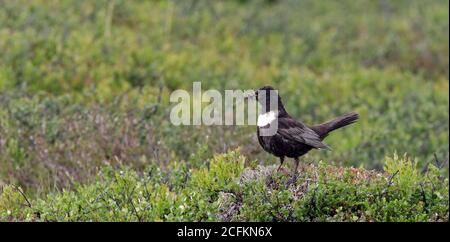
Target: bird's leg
{"x":294,"y":174}
{"x":281,"y":163}
{"x":297,"y":160}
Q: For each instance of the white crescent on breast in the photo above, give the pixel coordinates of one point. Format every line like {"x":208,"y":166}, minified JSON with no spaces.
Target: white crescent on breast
{"x":266,"y":118}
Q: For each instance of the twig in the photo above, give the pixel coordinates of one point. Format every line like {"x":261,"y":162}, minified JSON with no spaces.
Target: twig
{"x":424,"y":197}
{"x":389,"y":182}
{"x":392,"y":178}
{"x":130,"y":200}
{"x":23,"y":195}
{"x":436,"y":160}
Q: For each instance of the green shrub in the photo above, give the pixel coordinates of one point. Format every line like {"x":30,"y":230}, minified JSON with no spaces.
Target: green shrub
{"x":227,"y":192}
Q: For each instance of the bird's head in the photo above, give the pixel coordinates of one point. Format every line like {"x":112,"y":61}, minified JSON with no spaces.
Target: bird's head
{"x":264,"y":91}
{"x":264,"y":95}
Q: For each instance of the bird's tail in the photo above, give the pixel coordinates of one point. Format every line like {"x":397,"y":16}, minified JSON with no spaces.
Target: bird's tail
{"x":327,"y":127}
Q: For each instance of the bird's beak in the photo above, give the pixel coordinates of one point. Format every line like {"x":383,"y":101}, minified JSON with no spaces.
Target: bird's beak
{"x":249,"y":94}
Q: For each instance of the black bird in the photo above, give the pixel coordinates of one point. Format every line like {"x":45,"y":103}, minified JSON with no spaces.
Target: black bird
{"x":293,"y":138}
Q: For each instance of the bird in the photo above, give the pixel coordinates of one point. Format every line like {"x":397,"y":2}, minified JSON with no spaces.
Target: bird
{"x":292,"y":138}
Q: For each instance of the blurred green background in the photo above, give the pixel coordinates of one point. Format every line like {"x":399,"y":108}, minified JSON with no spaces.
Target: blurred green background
{"x":85,"y":84}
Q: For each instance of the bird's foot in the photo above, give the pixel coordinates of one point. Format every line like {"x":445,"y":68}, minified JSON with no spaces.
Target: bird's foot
{"x":283,"y":170}
{"x":279,"y":168}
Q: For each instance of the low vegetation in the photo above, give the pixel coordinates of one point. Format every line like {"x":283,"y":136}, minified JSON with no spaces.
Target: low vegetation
{"x":223,"y":190}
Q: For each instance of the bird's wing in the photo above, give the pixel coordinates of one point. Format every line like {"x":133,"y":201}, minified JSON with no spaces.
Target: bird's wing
{"x":292,"y":130}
